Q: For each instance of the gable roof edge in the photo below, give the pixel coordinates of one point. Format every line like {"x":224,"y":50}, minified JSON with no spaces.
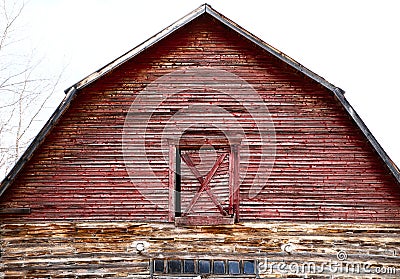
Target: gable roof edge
{"x":367,"y":133}
{"x":275,"y":52}
{"x":204,"y":8}
{"x":37,"y":140}
{"x":139,"y":48}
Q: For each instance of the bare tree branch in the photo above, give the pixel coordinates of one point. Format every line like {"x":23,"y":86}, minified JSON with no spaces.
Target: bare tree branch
{"x":41,"y":106}
{"x":24,"y":92}
{"x":9,"y":22}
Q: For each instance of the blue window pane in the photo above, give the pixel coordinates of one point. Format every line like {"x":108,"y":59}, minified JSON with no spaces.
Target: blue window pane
{"x":188,"y":266}
{"x":159,"y":266}
{"x":204,"y":266}
{"x":234,"y":267}
{"x":219,"y":267}
{"x":248,"y":267}
{"x":174,"y":266}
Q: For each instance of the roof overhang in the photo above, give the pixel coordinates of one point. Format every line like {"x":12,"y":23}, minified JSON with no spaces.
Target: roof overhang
{"x":205,"y":8}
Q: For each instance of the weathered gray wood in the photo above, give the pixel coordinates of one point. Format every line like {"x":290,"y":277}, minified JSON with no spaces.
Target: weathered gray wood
{"x":105,"y":249}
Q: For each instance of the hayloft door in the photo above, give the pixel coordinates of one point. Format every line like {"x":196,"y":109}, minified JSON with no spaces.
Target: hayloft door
{"x":205,"y":186}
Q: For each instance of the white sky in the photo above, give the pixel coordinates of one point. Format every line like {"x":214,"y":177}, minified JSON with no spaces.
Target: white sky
{"x":353,"y":44}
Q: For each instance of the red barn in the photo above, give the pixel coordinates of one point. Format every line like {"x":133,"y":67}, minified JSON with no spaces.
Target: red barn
{"x":202,"y":152}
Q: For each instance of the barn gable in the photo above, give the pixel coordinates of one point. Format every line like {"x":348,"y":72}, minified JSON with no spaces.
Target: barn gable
{"x":325,"y":165}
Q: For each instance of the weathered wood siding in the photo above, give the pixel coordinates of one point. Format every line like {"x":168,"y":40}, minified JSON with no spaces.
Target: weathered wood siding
{"x":105,"y":250}
{"x":324,"y":168}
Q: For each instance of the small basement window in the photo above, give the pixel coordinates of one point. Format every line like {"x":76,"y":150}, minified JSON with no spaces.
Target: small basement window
{"x":248,"y":267}
{"x":188,"y":267}
{"x":204,"y":267}
{"x":159,"y":266}
{"x":219,"y":267}
{"x":233,"y":267}
{"x":174,"y":266}
{"x":214,"y":267}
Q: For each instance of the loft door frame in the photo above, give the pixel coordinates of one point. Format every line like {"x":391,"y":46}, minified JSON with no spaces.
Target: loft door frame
{"x":234,"y":176}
